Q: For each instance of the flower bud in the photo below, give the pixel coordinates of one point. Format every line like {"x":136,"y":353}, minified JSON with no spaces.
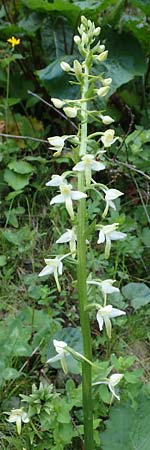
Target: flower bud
{"x":57,"y":102}
{"x":77,"y":67}
{"x":65,"y":66}
{"x":84,"y":21}
{"x":101,"y":48}
{"x":107,"y":120}
{"x":107,"y":81}
{"x":70,"y":112}
{"x":103,"y":91}
{"x":85,"y":38}
{"x":77,"y":40}
{"x":103,"y":56}
{"x":97,"y":31}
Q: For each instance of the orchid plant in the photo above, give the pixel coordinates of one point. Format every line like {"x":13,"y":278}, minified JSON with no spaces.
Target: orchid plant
{"x":88,"y":154}
{"x":87,"y":161}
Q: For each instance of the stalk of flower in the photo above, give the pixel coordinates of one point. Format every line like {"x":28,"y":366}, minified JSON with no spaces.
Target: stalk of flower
{"x":107,"y":234}
{"x":110,"y":195}
{"x":111,"y":382}
{"x":18,"y":416}
{"x":66,"y":196}
{"x":87,"y":165}
{"x":53,"y":266}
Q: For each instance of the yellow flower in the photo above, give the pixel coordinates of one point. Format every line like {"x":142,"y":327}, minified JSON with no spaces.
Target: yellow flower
{"x":13,"y":41}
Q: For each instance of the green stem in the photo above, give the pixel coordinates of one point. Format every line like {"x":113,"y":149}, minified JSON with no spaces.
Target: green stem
{"x":7,"y":97}
{"x":82,"y":287}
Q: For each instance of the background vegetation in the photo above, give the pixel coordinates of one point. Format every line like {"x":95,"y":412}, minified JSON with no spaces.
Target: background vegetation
{"x":31,"y":311}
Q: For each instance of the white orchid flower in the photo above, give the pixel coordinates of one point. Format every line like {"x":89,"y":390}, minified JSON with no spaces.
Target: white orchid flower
{"x":53,"y":266}
{"x":101,"y":92}
{"x":107,"y":120}
{"x":66,"y":196}
{"x":106,"y":286}
{"x":57,"y":102}
{"x":104,"y":314}
{"x":88,"y":164}
{"x":57,"y":143}
{"x":108,"y":137}
{"x":71,"y":237}
{"x":111,"y":195}
{"x":112,"y":381}
{"x":107,"y":234}
{"x":56,"y":180}
{"x":18,"y":416}
{"x":61,"y":354}
{"x":70,"y":111}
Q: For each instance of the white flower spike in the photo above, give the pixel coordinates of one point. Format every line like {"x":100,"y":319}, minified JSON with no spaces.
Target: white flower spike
{"x":61,"y":354}
{"x":111,"y":195}
{"x":66,"y":196}
{"x":112,"y":381}
{"x":18,"y":416}
{"x":53,"y":266}
{"x":88,"y":164}
{"x":108,"y":137}
{"x":107,"y":234}
{"x":104,"y":314}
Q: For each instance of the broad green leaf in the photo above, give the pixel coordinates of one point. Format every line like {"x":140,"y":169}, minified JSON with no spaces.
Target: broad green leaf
{"x":15,"y":180}
{"x":59,"y":41}
{"x":55,"y":80}
{"x":144,"y":5}
{"x":128,"y":428}
{"x":10,"y":374}
{"x":3,"y":260}
{"x":21,"y":166}
{"x":145,"y":236}
{"x":65,"y":7}
{"x":137,"y":293}
{"x":30,"y":23}
{"x":126,"y":59}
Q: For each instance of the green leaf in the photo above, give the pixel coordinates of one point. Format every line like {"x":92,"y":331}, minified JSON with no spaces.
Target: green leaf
{"x":10,"y":374}
{"x":21,"y":166}
{"x":15,"y":180}
{"x":3,"y":260}
{"x":144,"y":5}
{"x":54,"y":79}
{"x":125,"y":61}
{"x":137,"y":293}
{"x":146,"y":236}
{"x":128,"y":428}
{"x":65,"y":7}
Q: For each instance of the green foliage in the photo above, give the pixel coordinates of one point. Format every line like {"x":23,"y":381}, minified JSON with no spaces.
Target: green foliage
{"x":133,"y":429}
